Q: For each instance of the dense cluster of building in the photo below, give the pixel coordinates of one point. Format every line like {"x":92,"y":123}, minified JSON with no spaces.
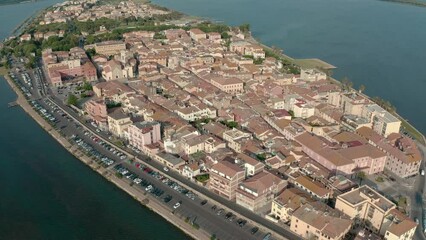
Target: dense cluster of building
{"x":279,"y":144}
{"x":68,"y":65}
{"x":90,"y":10}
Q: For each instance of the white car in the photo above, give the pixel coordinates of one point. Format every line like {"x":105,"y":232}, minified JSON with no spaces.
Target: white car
{"x":176,"y":205}
{"x":422,"y":172}
{"x":166,"y":169}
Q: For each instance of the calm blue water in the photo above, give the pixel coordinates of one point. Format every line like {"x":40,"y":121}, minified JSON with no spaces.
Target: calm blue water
{"x":48,"y":194}
{"x":379,"y":44}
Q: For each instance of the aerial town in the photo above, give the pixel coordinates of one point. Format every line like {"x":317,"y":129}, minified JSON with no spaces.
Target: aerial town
{"x":82,"y":10}
{"x":297,"y":148}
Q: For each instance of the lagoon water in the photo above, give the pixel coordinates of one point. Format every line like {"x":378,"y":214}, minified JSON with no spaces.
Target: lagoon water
{"x":48,"y":194}
{"x":379,"y":44}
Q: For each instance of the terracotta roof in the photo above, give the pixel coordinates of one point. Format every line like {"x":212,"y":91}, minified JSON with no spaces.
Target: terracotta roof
{"x":323,"y":218}
{"x":227,"y":168}
{"x":312,"y":186}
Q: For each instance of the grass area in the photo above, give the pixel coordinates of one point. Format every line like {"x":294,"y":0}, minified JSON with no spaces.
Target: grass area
{"x":202,"y":178}
{"x":380,"y":179}
{"x":3,"y":71}
{"x":412,"y":131}
{"x":313,"y":63}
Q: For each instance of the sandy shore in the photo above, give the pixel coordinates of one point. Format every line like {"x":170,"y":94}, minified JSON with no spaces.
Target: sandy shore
{"x":146,"y":200}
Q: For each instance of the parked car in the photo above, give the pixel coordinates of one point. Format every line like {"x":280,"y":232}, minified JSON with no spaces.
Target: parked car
{"x":177,"y":204}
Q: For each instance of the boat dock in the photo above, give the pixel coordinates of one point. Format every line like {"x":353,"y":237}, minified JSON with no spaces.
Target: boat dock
{"x":12,"y":104}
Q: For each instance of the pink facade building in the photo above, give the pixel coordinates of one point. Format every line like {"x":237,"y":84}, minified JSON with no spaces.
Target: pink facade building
{"x":96,"y":109}
{"x":144,"y":133}
{"x":62,"y":65}
{"x":344,"y":160}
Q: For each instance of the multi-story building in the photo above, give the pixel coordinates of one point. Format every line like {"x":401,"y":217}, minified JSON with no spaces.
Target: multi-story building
{"x":376,"y":213}
{"x":229,"y":85}
{"x":312,"y":75}
{"x":252,"y":166}
{"x":115,"y":70}
{"x":109,"y":48}
{"x":397,"y":226}
{"x":346,"y":160}
{"x":143,"y":133}
{"x":303,"y":110}
{"x":68,"y":65}
{"x":118,"y":122}
{"x":224,"y":179}
{"x":403,"y":156}
{"x":96,"y":109}
{"x":258,"y":192}
{"x":193,"y":113}
{"x":315,"y":189}
{"x":197,"y":35}
{"x":112,"y":91}
{"x":234,"y":138}
{"x":289,"y":201}
{"x":365,"y":205}
{"x":353,"y":103}
{"x":381,"y":120}
{"x":318,"y":221}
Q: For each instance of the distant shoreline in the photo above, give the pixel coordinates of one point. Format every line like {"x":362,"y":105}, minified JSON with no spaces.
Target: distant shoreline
{"x":13,"y":2}
{"x":407,"y":2}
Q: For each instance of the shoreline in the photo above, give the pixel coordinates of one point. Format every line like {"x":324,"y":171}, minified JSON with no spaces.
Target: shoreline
{"x":121,"y":184}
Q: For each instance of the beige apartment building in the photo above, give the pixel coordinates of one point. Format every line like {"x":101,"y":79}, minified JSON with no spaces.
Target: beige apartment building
{"x":397,"y":226}
{"x":224,"y":179}
{"x":381,"y":120}
{"x":109,"y":47}
{"x":365,"y":205}
{"x":353,"y":103}
{"x":258,"y":192}
{"x":229,"y":85}
{"x":318,"y":221}
{"x":234,"y":139}
{"x":372,"y":210}
{"x":289,"y":201}
{"x":118,"y":122}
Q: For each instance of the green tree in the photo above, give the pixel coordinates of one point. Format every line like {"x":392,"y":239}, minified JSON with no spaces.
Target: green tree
{"x":346,"y":84}
{"x":361,"y":176}
{"x":245,"y":28}
{"x":361,"y":88}
{"x":72,"y":99}
{"x":87,"y":86}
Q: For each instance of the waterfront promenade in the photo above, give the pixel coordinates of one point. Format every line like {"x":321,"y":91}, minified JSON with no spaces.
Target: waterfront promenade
{"x":138,"y":195}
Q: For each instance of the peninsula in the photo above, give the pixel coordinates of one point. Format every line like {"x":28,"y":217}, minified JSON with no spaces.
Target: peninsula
{"x":222,"y":136}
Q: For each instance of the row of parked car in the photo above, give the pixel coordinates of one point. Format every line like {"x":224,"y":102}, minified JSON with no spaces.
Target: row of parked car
{"x":143,"y":183}
{"x":43,"y":112}
{"x":25,"y":90}
{"x":105,"y":145}
{"x":104,"y":160}
{"x":170,"y":183}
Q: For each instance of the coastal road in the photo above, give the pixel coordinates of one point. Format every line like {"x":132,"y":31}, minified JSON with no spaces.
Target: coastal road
{"x":417,"y":204}
{"x":206,"y":218}
{"x":245,"y":213}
